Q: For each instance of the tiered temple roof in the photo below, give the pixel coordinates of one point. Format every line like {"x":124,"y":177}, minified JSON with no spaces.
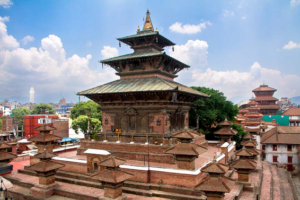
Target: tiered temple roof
{"x":45,"y":155}
{"x":45,"y":166}
{"x":186,"y":135}
{"x":190,"y":149}
{"x":243,"y":164}
{"x":226,"y":131}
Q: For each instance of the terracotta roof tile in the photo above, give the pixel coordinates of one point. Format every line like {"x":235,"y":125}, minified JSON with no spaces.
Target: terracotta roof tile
{"x":189,"y":149}
{"x":282,"y":135}
{"x":44,"y":127}
{"x":7,"y":156}
{"x":44,"y":137}
{"x":292,"y":111}
{"x":250,"y":143}
{"x":263,"y":88}
{"x":45,"y":166}
{"x":225,"y":123}
{"x":4,"y":146}
{"x":45,"y":155}
{"x":265,"y":98}
{"x":248,"y":136}
{"x":215,"y":167}
{"x":112,"y":176}
{"x":226,"y":131}
{"x":243,"y":164}
{"x":213,"y":184}
{"x":186,"y":135}
{"x":244,"y":152}
{"x":112,"y":162}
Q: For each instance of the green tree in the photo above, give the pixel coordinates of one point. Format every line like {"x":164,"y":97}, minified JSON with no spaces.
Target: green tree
{"x":19,"y":113}
{"x":212,"y":109}
{"x":81,"y":123}
{"x":239,"y":137}
{"x":41,"y":108}
{"x":79,"y":109}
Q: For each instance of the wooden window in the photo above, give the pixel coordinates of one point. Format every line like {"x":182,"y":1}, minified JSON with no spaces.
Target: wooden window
{"x":132,"y":122}
{"x":289,"y":147}
{"x":274,"y":147}
{"x":106,"y":121}
{"x":274,"y":158}
{"x":143,"y":122}
{"x":158,"y":122}
{"x":263,"y":147}
{"x":290,"y":159}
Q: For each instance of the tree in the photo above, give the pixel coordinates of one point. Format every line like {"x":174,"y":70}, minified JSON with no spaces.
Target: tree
{"x":239,"y":137}
{"x":19,"y":113}
{"x":81,"y":123}
{"x":79,"y":109}
{"x":41,"y":108}
{"x":212,"y":109}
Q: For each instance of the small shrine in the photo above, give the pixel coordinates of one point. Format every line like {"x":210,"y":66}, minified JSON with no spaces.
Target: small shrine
{"x":112,"y":178}
{"x":226,"y":132}
{"x":45,"y":140}
{"x":186,"y":152}
{"x":243,"y":167}
{"x":216,"y":184}
{"x":46,"y":170}
{"x":4,"y":147}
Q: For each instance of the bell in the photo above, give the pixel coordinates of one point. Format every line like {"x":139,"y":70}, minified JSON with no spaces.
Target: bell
{"x":119,"y":44}
{"x":173,"y":48}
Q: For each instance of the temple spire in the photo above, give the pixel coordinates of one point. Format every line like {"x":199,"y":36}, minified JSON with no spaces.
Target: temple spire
{"x":148,"y":23}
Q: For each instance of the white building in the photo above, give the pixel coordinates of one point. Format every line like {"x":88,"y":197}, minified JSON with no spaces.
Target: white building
{"x":279,"y":146}
{"x":31,"y":92}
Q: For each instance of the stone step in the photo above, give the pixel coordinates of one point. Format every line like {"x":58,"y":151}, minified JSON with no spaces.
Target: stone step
{"x":78,"y":182}
{"x":296,"y":183}
{"x":266,"y":193}
{"x":286,"y":188}
{"x":275,"y":186}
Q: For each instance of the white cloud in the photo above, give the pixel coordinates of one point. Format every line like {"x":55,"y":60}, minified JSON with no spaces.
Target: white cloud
{"x":108,"y":52}
{"x":5,"y":3}
{"x":6,"y":41}
{"x":193,"y":53}
{"x":228,"y":13}
{"x":244,"y":17}
{"x":291,"y":45}
{"x":240,"y":84}
{"x":188,"y":28}
{"x":88,"y":43}
{"x":27,"y":39}
{"x":46,"y":68}
{"x":294,"y":2}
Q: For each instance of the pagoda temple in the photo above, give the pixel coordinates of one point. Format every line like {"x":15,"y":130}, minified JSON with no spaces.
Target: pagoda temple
{"x":253,"y":121}
{"x":145,"y":100}
{"x":266,"y":101}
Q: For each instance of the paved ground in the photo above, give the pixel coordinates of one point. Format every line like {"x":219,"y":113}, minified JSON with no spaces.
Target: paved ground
{"x":19,"y":165}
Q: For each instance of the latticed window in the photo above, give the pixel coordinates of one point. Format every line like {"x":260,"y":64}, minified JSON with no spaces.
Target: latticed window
{"x":158,"y":122}
{"x":106,"y":121}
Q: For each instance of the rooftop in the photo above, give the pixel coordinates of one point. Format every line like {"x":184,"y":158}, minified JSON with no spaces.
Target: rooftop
{"x":44,"y":137}
{"x":112,"y":162}
{"x":149,"y":84}
{"x":7,"y":156}
{"x":243,"y":164}
{"x":112,"y":176}
{"x":216,"y":168}
{"x":282,"y":135}
{"x":189,"y":149}
{"x":45,"y":166}
{"x":186,"y":134}
{"x":264,"y":88}
{"x":292,"y":111}
{"x":226,"y":131}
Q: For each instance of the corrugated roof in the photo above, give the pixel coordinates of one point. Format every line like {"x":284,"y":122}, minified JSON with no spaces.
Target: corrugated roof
{"x":149,"y":84}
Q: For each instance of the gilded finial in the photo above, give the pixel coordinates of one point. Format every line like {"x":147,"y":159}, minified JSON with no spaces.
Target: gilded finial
{"x":214,"y":160}
{"x":138,"y":29}
{"x":156,"y":29}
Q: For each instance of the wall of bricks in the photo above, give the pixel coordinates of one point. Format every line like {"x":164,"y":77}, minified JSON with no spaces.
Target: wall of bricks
{"x":47,"y":180}
{"x":174,"y":179}
{"x":73,"y":166}
{"x":244,"y":177}
{"x":112,"y":193}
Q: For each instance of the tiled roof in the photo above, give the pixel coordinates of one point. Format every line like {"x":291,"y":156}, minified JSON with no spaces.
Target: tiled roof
{"x":282,"y":135}
{"x":245,"y":152}
{"x":189,"y":149}
{"x":265,"y":98}
{"x":216,"y":168}
{"x":45,"y":155}
{"x":248,"y":136}
{"x":112,"y":162}
{"x":213,"y":184}
{"x":44,"y":137}
{"x":186,"y":134}
{"x":226,"y":131}
{"x":243,"y":164}
{"x":44,"y":127}
{"x":112,"y":176}
{"x":45,"y":166}
{"x":263,"y":88}
{"x":225,"y":123}
{"x":4,"y":146}
{"x":6,"y":156}
{"x":149,"y":84}
{"x":249,"y":143}
{"x":292,"y":111}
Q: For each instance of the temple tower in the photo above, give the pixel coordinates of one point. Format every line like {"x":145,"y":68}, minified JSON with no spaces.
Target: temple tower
{"x":145,"y":100}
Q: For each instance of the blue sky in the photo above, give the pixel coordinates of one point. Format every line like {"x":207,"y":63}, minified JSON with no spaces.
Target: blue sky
{"x":232,"y":46}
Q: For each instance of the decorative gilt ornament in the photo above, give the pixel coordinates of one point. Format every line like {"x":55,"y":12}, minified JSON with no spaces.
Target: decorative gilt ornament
{"x":138,"y":29}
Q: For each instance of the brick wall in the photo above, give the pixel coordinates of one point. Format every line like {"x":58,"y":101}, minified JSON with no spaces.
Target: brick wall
{"x":62,"y":127}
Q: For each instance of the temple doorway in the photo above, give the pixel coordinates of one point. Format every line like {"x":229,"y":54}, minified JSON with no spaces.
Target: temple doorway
{"x":95,"y":165}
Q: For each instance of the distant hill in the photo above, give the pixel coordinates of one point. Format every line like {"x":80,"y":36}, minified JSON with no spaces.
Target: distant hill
{"x":296,"y":100}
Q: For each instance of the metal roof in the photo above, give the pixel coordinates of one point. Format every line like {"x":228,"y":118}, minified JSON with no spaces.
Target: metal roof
{"x":133,"y":56}
{"x":148,"y":84}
